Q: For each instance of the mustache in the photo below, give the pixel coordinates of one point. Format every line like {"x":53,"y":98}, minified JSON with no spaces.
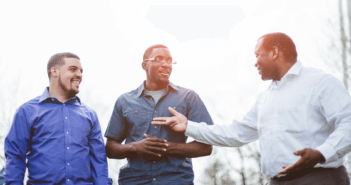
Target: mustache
{"x":76,"y":78}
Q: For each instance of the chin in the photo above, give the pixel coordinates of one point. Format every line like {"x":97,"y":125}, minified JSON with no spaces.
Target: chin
{"x":73,"y":92}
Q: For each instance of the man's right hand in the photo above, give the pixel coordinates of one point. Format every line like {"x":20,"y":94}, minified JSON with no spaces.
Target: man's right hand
{"x":178,"y":122}
{"x":150,"y":146}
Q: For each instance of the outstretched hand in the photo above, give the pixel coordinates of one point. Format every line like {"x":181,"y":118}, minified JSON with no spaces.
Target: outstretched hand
{"x":309,"y":158}
{"x":178,"y":122}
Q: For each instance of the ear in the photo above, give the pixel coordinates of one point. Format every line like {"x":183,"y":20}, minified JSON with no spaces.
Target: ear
{"x":54,"y":71}
{"x":275,"y":52}
{"x":144,"y":65}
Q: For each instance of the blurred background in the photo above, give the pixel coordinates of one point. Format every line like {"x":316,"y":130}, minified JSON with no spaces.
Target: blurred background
{"x":212,"y":42}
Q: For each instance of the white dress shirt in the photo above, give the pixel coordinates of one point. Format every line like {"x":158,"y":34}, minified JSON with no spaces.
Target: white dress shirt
{"x":308,"y":108}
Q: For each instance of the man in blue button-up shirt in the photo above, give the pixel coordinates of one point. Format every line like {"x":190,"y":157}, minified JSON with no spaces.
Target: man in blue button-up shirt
{"x":156,"y":155}
{"x":60,"y":136}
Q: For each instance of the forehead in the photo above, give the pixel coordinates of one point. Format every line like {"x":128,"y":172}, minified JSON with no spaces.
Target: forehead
{"x":72,"y":62}
{"x":259,"y":45}
{"x":161,"y":52}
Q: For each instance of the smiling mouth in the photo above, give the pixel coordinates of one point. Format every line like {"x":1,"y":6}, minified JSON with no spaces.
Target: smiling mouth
{"x":76,"y":82}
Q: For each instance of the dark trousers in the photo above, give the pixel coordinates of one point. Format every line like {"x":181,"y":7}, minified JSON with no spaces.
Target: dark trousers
{"x":315,"y":176}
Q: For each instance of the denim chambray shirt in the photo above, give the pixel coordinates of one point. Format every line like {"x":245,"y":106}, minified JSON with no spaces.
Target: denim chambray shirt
{"x":134,"y":112}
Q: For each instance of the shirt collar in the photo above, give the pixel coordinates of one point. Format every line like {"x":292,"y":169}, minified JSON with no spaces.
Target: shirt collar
{"x":293,"y":71}
{"x":141,"y":88}
{"x":46,"y":96}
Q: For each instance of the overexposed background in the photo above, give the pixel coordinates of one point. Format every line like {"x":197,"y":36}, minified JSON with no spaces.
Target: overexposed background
{"x":212,"y":41}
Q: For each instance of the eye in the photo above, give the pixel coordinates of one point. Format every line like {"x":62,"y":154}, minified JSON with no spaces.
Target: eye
{"x":158,"y":59}
{"x":73,"y":69}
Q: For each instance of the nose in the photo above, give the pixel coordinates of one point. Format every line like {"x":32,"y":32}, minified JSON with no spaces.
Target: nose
{"x":79,"y":73}
{"x":165,"y":64}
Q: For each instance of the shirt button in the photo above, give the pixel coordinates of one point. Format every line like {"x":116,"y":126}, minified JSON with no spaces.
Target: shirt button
{"x":155,"y":111}
{"x":67,"y":179}
{"x":136,"y":112}
{"x":154,"y":179}
{"x":65,"y":117}
{"x":63,"y":104}
{"x":52,"y":99}
{"x":68,"y":164}
{"x":67,"y":148}
{"x":67,"y":132}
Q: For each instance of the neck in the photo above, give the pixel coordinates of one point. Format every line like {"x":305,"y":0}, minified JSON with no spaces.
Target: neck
{"x":152,"y":86}
{"x":59,"y":93}
{"x":284,"y":68}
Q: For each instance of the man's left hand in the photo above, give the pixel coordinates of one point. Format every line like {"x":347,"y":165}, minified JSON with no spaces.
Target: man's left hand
{"x":309,"y":158}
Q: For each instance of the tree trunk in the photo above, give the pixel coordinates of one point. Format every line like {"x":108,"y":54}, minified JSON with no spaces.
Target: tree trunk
{"x":343,"y":42}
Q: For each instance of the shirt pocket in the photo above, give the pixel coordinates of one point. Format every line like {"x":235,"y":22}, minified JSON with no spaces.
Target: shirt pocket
{"x":295,"y":119}
{"x":139,"y":121}
{"x":81,"y":134}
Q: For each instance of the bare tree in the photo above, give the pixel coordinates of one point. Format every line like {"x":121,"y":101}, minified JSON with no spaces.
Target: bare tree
{"x":337,"y":53}
{"x":12,"y":89}
{"x":234,"y":165}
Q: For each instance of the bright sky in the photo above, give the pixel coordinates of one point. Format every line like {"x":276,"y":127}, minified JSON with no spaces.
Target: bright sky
{"x":212,"y":41}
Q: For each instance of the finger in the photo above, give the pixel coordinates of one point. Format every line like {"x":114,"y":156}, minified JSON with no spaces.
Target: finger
{"x":299,"y":152}
{"x":156,"y":149}
{"x":294,"y":167}
{"x":148,"y":136}
{"x":173,"y":124}
{"x":164,"y":119}
{"x":174,"y":112}
{"x":152,"y":153}
{"x":156,"y":141}
{"x":160,"y":122}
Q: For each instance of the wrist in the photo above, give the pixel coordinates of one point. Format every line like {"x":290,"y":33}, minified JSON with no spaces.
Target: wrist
{"x":131,"y":149}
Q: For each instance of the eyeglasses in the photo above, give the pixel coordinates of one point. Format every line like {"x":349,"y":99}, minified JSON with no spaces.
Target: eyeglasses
{"x":159,"y":60}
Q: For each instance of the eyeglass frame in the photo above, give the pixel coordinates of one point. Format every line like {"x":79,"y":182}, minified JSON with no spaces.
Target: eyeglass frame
{"x":163,"y":60}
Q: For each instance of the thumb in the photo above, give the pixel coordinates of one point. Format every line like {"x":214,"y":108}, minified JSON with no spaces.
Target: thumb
{"x":299,"y":152}
{"x":174,"y":112}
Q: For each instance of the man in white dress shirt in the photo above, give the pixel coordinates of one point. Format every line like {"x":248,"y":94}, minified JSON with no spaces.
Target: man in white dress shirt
{"x":303,"y":120}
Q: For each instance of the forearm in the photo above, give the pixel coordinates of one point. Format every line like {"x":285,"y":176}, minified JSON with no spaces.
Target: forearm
{"x":119,"y":151}
{"x":234,"y":135}
{"x":15,"y":169}
{"x":192,"y":149}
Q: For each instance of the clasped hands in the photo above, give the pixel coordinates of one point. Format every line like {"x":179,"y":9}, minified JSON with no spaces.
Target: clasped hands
{"x":308,"y":157}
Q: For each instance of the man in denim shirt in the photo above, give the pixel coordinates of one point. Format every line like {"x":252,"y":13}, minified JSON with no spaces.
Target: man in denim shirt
{"x":156,"y":155}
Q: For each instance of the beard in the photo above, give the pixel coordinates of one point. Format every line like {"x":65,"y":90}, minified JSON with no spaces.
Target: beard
{"x":70,"y":92}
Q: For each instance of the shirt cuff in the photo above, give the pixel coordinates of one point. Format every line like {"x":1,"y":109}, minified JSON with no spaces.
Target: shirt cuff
{"x":192,"y":129}
{"x":328,"y":152}
{"x":14,"y":183}
{"x":103,"y":181}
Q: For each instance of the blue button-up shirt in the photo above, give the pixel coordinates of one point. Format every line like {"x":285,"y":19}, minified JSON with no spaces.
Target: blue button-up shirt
{"x":62,"y":142}
{"x":133,"y":113}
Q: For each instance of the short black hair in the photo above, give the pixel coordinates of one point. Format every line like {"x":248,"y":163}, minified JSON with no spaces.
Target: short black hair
{"x":283,"y":42}
{"x":57,"y":60}
{"x":149,"y":50}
